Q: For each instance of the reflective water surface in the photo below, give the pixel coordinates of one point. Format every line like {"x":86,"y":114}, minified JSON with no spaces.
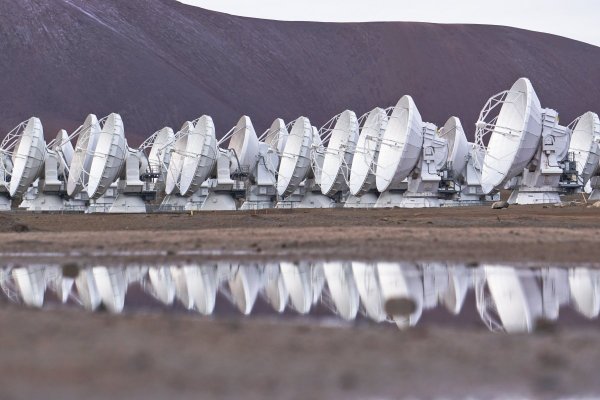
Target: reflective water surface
{"x":497,"y":297}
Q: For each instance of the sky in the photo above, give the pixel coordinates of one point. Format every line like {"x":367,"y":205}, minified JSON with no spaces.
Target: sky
{"x":576,"y":19}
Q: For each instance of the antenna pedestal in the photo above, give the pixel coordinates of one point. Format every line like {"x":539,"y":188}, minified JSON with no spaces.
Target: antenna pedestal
{"x":367,"y":200}
{"x":132,"y":192}
{"x":390,"y":198}
{"x":540,"y":182}
{"x":5,"y":202}
{"x":263,"y":194}
{"x":103,"y":203}
{"x":595,"y":184}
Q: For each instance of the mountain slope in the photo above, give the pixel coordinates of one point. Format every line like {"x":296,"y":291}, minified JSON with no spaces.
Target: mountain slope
{"x":159,"y":62}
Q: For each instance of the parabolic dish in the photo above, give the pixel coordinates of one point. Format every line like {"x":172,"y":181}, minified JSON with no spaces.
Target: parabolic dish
{"x":458,"y":145}
{"x":274,"y":287}
{"x":515,"y":136}
{"x":295,"y":159}
{"x":244,"y":143}
{"x":362,"y":174}
{"x":178,"y":151}
{"x":160,"y":150}
{"x":83,"y":155}
{"x":584,"y":145}
{"x":200,"y":155}
{"x":401,"y":145}
{"x":109,"y":156}
{"x":64,"y":146}
{"x":28,"y":158}
{"x":339,"y":154}
{"x":277,"y":135}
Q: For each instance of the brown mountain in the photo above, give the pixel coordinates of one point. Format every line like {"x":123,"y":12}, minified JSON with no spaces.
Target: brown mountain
{"x":158,"y":62}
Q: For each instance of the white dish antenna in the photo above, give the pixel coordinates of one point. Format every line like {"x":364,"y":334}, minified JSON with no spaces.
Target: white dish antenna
{"x":64,"y":147}
{"x":296,"y":158}
{"x":193,"y":156}
{"x":514,"y":131}
{"x":584,"y":145}
{"x":401,"y":145}
{"x":458,"y":146}
{"x":160,"y":150}
{"x":341,"y":142}
{"x":277,"y":135}
{"x":87,"y":137}
{"x":362,"y":174}
{"x":244,"y":143}
{"x":27,"y":149}
{"x":108,"y":156}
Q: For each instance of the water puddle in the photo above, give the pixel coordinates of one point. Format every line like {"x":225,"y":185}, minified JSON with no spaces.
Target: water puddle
{"x":500,"y":298}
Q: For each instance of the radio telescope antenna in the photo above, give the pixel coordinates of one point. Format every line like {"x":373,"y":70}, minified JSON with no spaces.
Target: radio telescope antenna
{"x":458,"y":146}
{"x":400,"y":146}
{"x":338,"y":141}
{"x":514,"y":134}
{"x":276,"y":136}
{"x":193,"y":156}
{"x":584,"y":145}
{"x":362,"y":174}
{"x":26,"y":147}
{"x":159,"y":143}
{"x":108,"y":156}
{"x":87,"y":137}
{"x":295,"y":158}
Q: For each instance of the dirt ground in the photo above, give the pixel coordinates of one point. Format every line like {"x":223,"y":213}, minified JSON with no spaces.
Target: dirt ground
{"x":470,"y":234}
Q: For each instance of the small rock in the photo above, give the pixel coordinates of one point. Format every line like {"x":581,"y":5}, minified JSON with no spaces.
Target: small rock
{"x":596,"y":204}
{"x":559,"y":205}
{"x":500,"y":204}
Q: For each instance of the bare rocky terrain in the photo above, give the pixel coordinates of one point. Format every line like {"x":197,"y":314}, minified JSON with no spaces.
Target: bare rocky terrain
{"x":159,"y":62}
